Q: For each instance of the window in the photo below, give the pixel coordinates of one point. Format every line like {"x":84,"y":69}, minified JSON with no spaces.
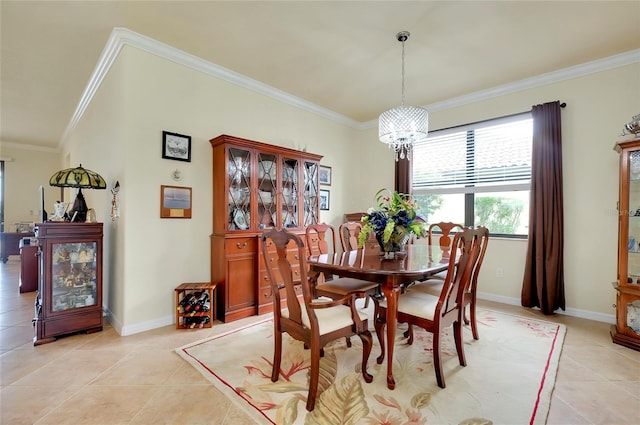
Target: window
{"x":477,"y":174}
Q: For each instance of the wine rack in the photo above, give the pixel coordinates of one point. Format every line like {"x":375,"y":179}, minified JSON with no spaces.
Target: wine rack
{"x":187,"y":315}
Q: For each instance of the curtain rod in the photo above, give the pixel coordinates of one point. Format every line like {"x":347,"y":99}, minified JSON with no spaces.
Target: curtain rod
{"x":562,"y":105}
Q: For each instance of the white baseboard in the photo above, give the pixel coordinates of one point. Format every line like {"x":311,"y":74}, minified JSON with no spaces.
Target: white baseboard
{"x":574,"y":312}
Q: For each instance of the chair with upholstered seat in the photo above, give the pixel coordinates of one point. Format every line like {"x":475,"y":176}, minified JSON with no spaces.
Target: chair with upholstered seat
{"x":318,"y":237}
{"x":434,"y":286}
{"x":436,"y":313}
{"x":349,"y":232}
{"x":440,"y":234}
{"x":315,"y":322}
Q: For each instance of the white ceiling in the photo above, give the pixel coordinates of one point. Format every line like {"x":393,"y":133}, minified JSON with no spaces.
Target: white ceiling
{"x":339,"y":55}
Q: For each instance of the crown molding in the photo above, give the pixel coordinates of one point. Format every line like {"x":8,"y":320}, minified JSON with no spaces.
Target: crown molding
{"x":581,"y":70}
{"x":122,"y":36}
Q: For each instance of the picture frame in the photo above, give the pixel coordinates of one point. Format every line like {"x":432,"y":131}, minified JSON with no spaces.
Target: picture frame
{"x":176,"y":146}
{"x":175,"y":202}
{"x":325,"y":200}
{"x":324,"y":176}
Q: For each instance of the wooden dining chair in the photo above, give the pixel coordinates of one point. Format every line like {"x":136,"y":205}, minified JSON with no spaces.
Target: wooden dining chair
{"x":440,"y":234}
{"x":436,"y":313}
{"x":318,"y":237}
{"x":349,"y":232}
{"x":315,"y":322}
{"x":469,"y":297}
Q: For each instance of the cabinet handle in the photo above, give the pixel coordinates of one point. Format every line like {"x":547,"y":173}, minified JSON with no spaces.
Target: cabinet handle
{"x":241,"y":245}
{"x":268,"y":294}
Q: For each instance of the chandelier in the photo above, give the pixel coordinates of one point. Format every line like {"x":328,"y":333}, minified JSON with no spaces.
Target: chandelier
{"x":402,"y":126}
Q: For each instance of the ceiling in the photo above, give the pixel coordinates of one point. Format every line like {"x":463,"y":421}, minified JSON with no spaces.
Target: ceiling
{"x":338,"y":55}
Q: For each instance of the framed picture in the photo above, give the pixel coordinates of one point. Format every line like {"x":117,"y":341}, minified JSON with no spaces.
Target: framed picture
{"x":325,"y":175}
{"x":175,"y":202}
{"x":176,"y":146}
{"x":324,"y":199}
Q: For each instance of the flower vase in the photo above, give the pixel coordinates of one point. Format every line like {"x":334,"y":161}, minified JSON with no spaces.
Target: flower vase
{"x":395,"y":247}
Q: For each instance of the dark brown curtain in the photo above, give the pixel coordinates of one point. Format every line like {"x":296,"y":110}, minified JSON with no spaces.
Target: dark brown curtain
{"x":543,"y":284}
{"x":403,"y":176}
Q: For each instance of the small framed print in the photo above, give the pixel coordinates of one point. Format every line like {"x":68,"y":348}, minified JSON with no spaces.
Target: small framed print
{"x":176,"y":146}
{"x":175,"y":202}
{"x":325,"y":199}
{"x":325,"y":175}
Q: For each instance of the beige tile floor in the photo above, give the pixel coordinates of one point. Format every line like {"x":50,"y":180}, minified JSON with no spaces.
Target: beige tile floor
{"x":106,"y":379}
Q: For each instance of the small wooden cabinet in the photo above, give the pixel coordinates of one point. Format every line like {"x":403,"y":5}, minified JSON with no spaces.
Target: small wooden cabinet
{"x":69,"y":295}
{"x":28,"y":266}
{"x":626,"y":331}
{"x":256,"y":186}
{"x":195,"y":305}
{"x":9,"y":244}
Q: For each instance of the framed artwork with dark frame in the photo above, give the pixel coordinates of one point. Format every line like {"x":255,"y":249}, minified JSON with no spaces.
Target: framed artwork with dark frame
{"x":325,"y":175}
{"x":175,"y":202}
{"x":325,"y":199}
{"x":176,"y":146}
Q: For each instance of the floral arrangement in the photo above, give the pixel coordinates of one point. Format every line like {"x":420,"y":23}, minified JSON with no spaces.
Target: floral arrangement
{"x":393,"y":221}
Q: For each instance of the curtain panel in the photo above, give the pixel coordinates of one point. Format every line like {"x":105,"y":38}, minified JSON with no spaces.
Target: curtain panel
{"x":543,"y":284}
{"x":403,"y":176}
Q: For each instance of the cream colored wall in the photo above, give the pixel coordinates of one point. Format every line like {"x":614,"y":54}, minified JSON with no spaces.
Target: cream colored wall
{"x":151,"y":256}
{"x":24,"y":174}
{"x":598,"y":106}
{"x":99,"y":143}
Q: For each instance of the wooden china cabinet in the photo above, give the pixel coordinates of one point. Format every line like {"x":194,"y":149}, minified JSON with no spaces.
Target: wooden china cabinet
{"x":256,"y":186}
{"x":626,"y":331}
{"x":69,"y":297}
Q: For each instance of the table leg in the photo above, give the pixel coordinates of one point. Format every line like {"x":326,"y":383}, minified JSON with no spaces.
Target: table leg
{"x":392,"y":294}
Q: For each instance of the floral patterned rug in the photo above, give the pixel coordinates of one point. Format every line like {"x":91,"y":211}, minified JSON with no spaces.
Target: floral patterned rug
{"x":508,"y":379}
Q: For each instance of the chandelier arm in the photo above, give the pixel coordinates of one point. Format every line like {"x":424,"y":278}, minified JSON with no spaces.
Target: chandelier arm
{"x":402,"y":73}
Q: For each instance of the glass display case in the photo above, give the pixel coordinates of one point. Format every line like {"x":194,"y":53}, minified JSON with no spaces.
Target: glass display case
{"x":256,"y":186}
{"x":626,"y":331}
{"x":69,"y":295}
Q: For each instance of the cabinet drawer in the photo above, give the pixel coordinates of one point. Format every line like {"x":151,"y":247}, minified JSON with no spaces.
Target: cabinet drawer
{"x":265,"y":295}
{"x":263,"y":279}
{"x":237,"y":246}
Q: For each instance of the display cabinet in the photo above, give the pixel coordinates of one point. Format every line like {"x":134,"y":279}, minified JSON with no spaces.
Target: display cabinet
{"x":69,"y":297}
{"x":256,"y":186}
{"x":626,"y":331}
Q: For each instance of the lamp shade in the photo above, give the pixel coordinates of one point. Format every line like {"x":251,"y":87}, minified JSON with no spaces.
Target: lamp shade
{"x":78,"y":177}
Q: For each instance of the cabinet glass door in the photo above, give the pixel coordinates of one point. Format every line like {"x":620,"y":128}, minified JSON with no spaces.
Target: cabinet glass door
{"x":290,"y":217}
{"x":310,"y":193}
{"x":633,"y":271}
{"x":239,"y":195}
{"x":73,"y":274}
{"x":267,"y":190}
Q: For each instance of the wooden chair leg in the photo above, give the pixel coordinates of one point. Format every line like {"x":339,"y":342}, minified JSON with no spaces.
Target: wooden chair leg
{"x":437,"y":364}
{"x":367,"y":344}
{"x":313,"y":378}
{"x":474,"y":323}
{"x":457,"y":336}
{"x":348,"y":339}
{"x":277,"y":356}
{"x":379,"y":323}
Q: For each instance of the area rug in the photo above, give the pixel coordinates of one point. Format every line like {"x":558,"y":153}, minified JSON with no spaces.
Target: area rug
{"x":508,"y":379}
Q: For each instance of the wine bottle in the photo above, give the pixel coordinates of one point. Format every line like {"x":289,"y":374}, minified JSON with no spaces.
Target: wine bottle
{"x":189,"y":306}
{"x":184,"y":301}
{"x":204,"y":297}
{"x":199,"y":322}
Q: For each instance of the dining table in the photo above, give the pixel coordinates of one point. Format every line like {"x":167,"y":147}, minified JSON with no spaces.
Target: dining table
{"x":419,"y":262}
